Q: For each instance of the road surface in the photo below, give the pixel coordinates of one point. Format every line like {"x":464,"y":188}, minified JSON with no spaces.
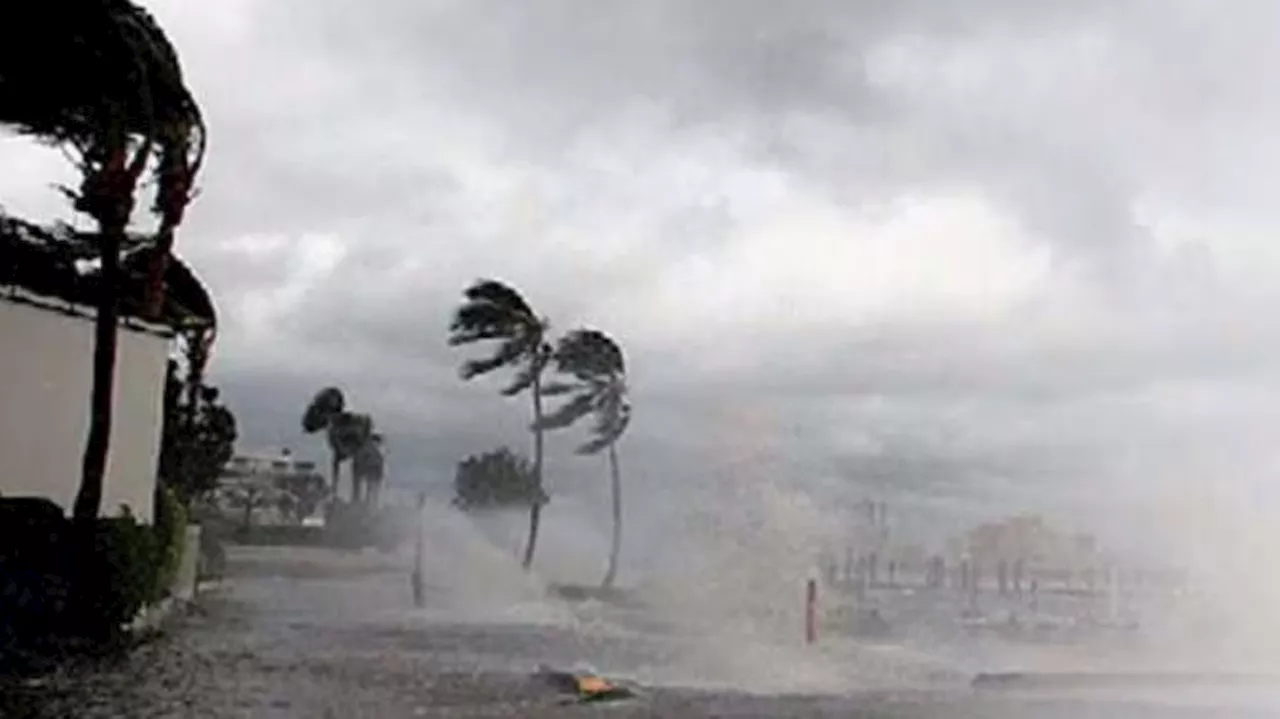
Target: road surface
{"x":316,"y":634}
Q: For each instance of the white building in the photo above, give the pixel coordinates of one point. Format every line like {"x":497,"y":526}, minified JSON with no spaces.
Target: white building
{"x":259,"y":479}
{"x":267,"y":466}
{"x":46,"y":377}
{"x":46,"y":369}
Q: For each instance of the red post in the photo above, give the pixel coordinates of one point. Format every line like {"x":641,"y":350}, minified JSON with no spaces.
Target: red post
{"x":811,"y":612}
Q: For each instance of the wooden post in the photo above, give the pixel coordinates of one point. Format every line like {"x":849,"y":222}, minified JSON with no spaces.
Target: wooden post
{"x":811,"y":612}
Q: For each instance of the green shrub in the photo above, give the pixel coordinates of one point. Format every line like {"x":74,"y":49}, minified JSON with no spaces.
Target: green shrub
{"x":55,"y":579}
{"x":171,"y":538}
{"x":120,"y":576}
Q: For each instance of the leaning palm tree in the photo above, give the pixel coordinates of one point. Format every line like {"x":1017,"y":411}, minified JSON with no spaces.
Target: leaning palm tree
{"x":598,"y":387}
{"x":100,"y":78}
{"x":494,"y":311}
{"x":345,"y":431}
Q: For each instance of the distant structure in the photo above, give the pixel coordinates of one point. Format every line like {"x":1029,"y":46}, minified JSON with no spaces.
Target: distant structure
{"x":260,"y":480}
{"x":1022,"y":547}
{"x":872,"y":553}
{"x":263,"y":466}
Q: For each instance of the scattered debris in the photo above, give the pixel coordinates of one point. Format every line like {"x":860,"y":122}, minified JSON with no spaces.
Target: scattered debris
{"x":586,"y":685}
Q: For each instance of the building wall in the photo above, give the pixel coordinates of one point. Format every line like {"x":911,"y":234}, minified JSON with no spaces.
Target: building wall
{"x":45,"y":380}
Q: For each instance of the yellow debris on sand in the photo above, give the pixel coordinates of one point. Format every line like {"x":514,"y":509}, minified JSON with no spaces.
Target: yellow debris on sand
{"x":593,"y":685}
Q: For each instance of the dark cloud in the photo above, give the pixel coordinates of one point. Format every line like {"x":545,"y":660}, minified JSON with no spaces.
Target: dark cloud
{"x":950,"y":251}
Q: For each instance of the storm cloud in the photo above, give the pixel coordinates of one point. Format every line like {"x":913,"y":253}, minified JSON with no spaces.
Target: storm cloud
{"x":972,"y":256}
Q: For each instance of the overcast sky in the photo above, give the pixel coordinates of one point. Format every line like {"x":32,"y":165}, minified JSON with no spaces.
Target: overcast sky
{"x":967,"y":256}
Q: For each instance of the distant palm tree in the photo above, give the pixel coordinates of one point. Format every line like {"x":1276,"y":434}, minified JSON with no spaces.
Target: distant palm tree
{"x":494,"y":311}
{"x":598,"y":388}
{"x":348,"y":434}
{"x":367,"y":467}
{"x":346,"y":431}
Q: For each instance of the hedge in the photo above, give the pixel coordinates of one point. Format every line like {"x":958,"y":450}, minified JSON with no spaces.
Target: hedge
{"x":121,"y":577}
{"x":171,"y":533}
{"x":50,"y":584}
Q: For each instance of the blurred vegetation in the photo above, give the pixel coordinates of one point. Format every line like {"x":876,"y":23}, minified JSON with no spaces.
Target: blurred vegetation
{"x":500,"y":479}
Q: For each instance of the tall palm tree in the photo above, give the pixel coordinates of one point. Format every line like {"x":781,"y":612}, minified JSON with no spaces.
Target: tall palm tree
{"x":598,"y":388}
{"x":345,"y":431}
{"x":100,"y":77}
{"x":493,"y":311}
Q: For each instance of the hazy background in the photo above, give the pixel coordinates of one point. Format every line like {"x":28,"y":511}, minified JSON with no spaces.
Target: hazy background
{"x":967,"y":257}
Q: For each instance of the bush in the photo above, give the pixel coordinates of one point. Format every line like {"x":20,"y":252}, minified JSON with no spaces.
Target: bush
{"x":120,"y":577}
{"x":54,"y":580}
{"x":34,"y":564}
{"x":171,"y":537}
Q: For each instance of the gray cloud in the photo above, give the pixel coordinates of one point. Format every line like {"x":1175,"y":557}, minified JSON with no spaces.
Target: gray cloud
{"x":962,"y":253}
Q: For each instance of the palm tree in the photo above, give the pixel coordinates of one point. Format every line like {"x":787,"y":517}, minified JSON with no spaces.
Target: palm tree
{"x":367,"y":467}
{"x":494,"y":311}
{"x":598,"y":388}
{"x":100,"y":78}
{"x":346,"y":431}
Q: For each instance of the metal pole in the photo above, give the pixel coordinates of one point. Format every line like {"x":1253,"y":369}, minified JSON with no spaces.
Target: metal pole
{"x":811,"y":612}
{"x":419,"y":598}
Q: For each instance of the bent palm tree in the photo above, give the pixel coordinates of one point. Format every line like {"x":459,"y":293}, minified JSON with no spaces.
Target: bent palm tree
{"x":599,"y":388}
{"x":494,"y":311}
{"x":100,"y":77}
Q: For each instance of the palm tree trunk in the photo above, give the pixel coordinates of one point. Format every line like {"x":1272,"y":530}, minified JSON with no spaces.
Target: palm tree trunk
{"x":335,"y":465}
{"x":535,"y":509}
{"x":615,"y":548}
{"x":94,"y":464}
{"x":247,"y":522}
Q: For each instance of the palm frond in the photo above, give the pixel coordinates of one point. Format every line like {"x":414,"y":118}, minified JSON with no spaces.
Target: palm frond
{"x":477,"y":321}
{"x":522,"y":381}
{"x":588,"y":354}
{"x":462,"y":337}
{"x":327,"y":404}
{"x":494,"y":311}
{"x":348,"y":432}
{"x":594,"y":446}
{"x":606,"y":432}
{"x":533,"y":369}
{"x":569,"y":412}
{"x":508,"y":352}
{"x":596,"y":362}
{"x":556,"y":389}
{"x":80,"y":62}
{"x":499,"y":294}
